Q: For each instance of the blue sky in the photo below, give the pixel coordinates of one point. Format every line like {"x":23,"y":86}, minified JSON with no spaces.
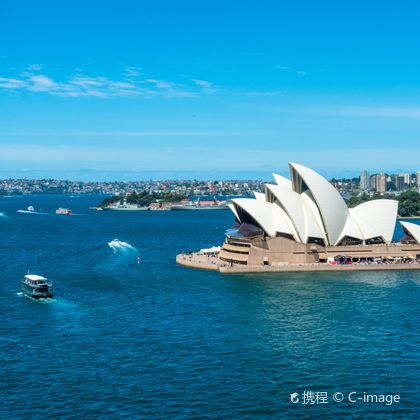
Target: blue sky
{"x":210,"y":89}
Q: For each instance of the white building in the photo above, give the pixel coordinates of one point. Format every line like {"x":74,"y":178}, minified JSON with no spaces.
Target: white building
{"x":380,"y":183}
{"x":304,"y":219}
{"x":309,"y":209}
{"x":364,"y":180}
{"x":407,"y":178}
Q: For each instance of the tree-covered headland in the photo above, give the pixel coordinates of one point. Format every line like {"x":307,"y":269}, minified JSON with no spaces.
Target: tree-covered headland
{"x":142,"y":198}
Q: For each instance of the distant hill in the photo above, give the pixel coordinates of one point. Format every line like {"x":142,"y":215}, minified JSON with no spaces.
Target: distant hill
{"x":143,"y":198}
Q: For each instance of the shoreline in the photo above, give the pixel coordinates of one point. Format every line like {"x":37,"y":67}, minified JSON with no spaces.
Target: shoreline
{"x":205,"y":262}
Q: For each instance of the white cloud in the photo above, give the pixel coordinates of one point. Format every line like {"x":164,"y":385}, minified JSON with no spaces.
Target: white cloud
{"x":349,"y":111}
{"x":202,"y":83}
{"x":132,"y":72}
{"x":287,"y":68}
{"x":79,"y":85}
{"x":176,"y":157}
{"x":125,"y":134}
{"x":365,"y":111}
{"x":85,"y":81}
{"x":41,"y":83}
{"x":34,"y":67}
{"x":382,"y":112}
{"x":161,"y":84}
{"x":10,"y":83}
{"x":206,"y":86}
{"x":170,"y":89}
{"x":256,"y":93}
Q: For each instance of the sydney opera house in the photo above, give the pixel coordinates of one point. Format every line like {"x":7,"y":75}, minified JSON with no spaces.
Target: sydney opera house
{"x":304,"y":220}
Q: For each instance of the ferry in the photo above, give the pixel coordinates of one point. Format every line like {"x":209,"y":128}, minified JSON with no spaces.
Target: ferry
{"x":36,"y":286}
{"x":62,"y":210}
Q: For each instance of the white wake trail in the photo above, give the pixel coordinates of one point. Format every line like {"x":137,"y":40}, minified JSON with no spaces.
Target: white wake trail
{"x":118,"y":245}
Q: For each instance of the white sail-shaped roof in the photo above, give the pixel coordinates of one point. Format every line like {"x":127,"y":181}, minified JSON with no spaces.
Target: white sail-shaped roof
{"x":314,"y":222}
{"x":233,"y":209}
{"x":270,"y":217}
{"x":331,"y":205}
{"x":301,"y":215}
{"x":280,"y":220}
{"x":291,"y":203}
{"x":412,"y":229}
{"x":309,"y":207}
{"x":352,"y":228}
{"x":376,"y":218}
{"x":259,"y":196}
{"x":281,"y":181}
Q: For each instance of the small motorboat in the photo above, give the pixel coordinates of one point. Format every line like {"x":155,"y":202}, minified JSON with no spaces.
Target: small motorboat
{"x":62,"y":210}
{"x":116,"y":243}
{"x":36,"y":287}
{"x":30,"y":209}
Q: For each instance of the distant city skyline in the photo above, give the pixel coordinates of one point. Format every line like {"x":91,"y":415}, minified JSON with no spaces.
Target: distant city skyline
{"x":366,"y":179}
{"x":112,"y":90}
{"x":128,"y":176}
{"x":366,"y":184}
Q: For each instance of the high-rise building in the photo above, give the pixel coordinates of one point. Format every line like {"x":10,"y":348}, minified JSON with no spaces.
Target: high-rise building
{"x":418,"y":179}
{"x":380,"y":183}
{"x":407,"y":178}
{"x":364,"y":180}
{"x":400,"y":182}
{"x":373,"y":182}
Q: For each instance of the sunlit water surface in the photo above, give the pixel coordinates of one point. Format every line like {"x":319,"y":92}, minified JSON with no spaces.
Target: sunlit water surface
{"x":162,"y":341}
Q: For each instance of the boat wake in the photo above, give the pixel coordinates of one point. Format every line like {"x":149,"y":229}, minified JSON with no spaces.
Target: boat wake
{"x":123,"y":255}
{"x":118,"y":245}
{"x":39,"y":213}
{"x":38,"y":300}
{"x":4,"y":216}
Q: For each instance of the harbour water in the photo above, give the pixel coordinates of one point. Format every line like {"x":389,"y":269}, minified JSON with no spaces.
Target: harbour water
{"x":157,"y":340}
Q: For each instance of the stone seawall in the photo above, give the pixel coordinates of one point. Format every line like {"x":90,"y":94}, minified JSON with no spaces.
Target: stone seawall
{"x":312,"y":268}
{"x":201,"y":261}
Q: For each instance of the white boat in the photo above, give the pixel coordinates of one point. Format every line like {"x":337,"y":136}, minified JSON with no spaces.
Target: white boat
{"x":30,"y":209}
{"x":62,"y":210}
{"x":116,"y":243}
{"x":36,"y":286}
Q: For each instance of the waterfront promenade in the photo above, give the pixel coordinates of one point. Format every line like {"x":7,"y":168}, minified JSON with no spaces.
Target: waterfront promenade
{"x":211,"y":262}
{"x":198,"y":260}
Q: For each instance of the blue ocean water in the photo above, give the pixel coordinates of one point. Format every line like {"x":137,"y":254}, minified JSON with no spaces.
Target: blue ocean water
{"x":157,"y":340}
